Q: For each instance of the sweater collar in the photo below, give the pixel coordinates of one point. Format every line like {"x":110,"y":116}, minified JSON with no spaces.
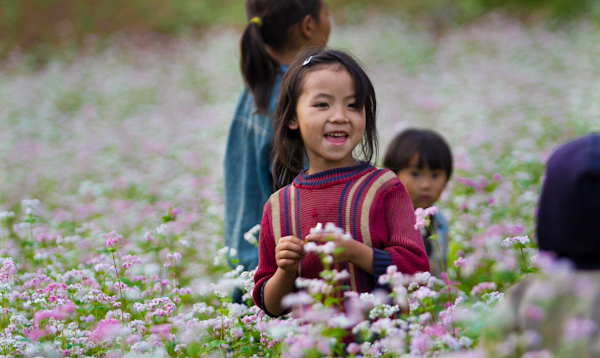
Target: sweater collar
{"x":331,"y":176}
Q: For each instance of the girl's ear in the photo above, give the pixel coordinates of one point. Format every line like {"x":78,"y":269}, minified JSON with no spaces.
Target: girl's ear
{"x":293,"y":124}
{"x":307,"y":27}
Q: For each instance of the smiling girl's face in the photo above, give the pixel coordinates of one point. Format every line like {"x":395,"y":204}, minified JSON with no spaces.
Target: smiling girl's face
{"x":330,"y":123}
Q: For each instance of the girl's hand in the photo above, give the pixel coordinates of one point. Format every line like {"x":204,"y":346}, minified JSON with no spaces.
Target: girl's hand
{"x":350,"y":247}
{"x":288,"y":253}
{"x":354,"y":252}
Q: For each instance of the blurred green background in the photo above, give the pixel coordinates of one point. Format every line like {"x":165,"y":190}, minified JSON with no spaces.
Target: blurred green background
{"x":40,"y":27}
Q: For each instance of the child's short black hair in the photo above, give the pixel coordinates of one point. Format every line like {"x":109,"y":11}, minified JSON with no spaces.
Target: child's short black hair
{"x":432,"y":149}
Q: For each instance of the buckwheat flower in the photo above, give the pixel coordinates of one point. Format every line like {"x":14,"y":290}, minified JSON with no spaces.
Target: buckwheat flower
{"x":493,"y":297}
{"x":175,"y":256}
{"x":535,"y":313}
{"x":88,"y":319}
{"x":511,"y":241}
{"x":341,"y":275}
{"x":5,"y":215}
{"x":579,"y":328}
{"x":328,"y":248}
{"x":250,"y":235}
{"x":299,"y":298}
{"x":30,"y":203}
{"x":108,"y":329}
{"x":341,"y":321}
{"x":220,"y":294}
{"x":419,"y":343}
{"x":161,"y":230}
{"x":8,"y":270}
{"x":460,"y":262}
{"x":353,"y":348}
{"x":538,"y":354}
{"x":424,"y":292}
{"x":422,"y":220}
{"x":361,"y":327}
{"x":483,"y":286}
{"x":112,"y":238}
{"x":35,"y":334}
{"x":148,"y":236}
{"x":162,"y":330}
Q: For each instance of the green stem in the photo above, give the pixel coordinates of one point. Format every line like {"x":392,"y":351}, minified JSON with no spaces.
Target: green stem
{"x":30,"y":295}
{"x":524,"y":261}
{"x":120,"y":289}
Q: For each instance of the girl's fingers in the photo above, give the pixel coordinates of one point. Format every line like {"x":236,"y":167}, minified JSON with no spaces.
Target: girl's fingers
{"x":291,"y":239}
{"x":314,"y":237}
{"x":289,"y":254}
{"x":290,"y":243}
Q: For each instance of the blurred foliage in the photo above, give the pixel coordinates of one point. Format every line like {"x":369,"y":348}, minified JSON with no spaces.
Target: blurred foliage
{"x":39,"y":26}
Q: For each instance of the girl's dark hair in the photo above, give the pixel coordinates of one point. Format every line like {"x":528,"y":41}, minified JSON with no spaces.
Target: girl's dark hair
{"x":431,"y":147}
{"x":273,"y":29}
{"x":288,"y":147}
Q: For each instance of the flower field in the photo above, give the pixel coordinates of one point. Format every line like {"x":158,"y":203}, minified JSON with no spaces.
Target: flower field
{"x":111,"y":191}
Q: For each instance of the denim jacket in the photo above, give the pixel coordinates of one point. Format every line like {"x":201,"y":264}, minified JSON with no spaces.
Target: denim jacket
{"x":248,"y":172}
{"x":440,"y":228}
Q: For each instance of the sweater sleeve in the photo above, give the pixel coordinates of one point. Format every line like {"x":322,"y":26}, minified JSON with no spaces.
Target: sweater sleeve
{"x":266,"y":256}
{"x":404,"y":242}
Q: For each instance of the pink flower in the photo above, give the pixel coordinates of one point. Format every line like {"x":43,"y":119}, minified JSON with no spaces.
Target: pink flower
{"x":134,"y":338}
{"x":8,"y":270}
{"x":47,"y":314}
{"x":579,"y":328}
{"x":460,"y":262}
{"x":163,"y":330}
{"x":483,"y":286}
{"x":112,"y":238}
{"x":534,"y":313}
{"x":35,"y":334}
{"x":107,"y":329}
{"x":175,"y":212}
{"x":353,"y":348}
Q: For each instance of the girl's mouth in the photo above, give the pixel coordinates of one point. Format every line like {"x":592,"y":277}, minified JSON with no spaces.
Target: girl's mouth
{"x":336,"y":137}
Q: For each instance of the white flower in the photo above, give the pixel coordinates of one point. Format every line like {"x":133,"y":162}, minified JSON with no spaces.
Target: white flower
{"x":5,"y":215}
{"x":511,"y":241}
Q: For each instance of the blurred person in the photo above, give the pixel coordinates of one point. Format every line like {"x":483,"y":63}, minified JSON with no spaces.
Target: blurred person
{"x":557,"y":313}
{"x":327,"y":112}
{"x":275,"y":32}
{"x":423,"y":161}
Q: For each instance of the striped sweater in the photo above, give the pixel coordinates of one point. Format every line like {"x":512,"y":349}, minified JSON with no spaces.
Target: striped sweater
{"x":370,"y":204}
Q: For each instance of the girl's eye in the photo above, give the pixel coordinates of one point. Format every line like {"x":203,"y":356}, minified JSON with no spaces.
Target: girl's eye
{"x":352,"y":105}
{"x":321,"y":105}
{"x":437,"y":175}
{"x":415,"y":174}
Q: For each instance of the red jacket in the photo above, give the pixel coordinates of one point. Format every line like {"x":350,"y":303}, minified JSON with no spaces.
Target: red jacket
{"x":370,"y":204}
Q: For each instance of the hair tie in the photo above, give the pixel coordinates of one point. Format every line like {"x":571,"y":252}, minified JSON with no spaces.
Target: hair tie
{"x":307,"y":61}
{"x":256,"y":20}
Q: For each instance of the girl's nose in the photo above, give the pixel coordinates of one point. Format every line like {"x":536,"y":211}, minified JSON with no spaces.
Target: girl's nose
{"x":338,"y":115}
{"x":425,"y":183}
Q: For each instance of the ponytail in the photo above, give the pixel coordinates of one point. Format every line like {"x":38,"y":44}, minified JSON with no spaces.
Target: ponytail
{"x":258,"y":67}
{"x":269,"y":24}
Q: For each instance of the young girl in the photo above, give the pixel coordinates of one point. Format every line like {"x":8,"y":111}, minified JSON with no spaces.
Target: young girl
{"x":275,"y":32}
{"x":423,"y":161}
{"x":326,"y":110}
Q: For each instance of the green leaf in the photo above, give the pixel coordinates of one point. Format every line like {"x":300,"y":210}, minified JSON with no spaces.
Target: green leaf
{"x":126,"y":281}
{"x":212,"y":345}
{"x":335,"y":332}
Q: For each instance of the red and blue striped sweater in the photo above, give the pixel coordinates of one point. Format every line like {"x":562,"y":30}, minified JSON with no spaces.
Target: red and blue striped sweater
{"x":370,"y":204}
